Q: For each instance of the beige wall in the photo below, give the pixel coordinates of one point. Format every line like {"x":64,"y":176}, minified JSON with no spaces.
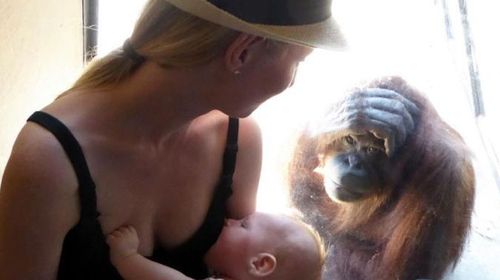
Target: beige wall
{"x":40,"y":55}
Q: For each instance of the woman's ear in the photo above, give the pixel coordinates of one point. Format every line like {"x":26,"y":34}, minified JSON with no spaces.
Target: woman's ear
{"x":237,"y":52}
{"x":262,"y":265}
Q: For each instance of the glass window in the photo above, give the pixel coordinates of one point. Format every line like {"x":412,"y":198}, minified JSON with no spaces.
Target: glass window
{"x":446,"y":48}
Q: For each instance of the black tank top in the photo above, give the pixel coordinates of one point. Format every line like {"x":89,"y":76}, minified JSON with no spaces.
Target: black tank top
{"x":85,"y":254}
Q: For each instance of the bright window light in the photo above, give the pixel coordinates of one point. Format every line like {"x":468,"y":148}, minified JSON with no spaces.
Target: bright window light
{"x":408,"y":38}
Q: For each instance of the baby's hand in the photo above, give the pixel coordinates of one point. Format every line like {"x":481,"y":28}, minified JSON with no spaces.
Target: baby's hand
{"x":123,"y":243}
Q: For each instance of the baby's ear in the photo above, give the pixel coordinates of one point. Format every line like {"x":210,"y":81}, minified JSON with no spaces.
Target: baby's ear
{"x":262,"y":265}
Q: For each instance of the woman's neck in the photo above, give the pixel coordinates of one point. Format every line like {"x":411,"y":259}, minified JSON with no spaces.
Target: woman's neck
{"x":157,"y":101}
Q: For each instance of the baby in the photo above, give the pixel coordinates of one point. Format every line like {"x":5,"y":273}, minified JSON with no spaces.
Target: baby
{"x":260,"y":246}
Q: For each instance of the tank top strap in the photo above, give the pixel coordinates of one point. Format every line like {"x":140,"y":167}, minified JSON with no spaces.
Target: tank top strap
{"x":209,"y":231}
{"x":229,"y":161}
{"x":75,"y":154}
{"x":188,"y":257}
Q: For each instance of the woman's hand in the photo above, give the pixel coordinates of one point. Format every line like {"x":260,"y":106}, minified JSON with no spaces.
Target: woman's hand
{"x":384,"y":113}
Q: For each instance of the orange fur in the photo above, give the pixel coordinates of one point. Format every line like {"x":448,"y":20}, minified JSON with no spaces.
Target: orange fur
{"x":416,"y":227}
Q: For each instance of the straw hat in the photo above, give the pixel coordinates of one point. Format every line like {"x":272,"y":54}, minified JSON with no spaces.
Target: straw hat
{"x":302,"y":22}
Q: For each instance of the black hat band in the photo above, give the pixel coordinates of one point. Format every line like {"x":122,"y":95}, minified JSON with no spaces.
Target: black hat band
{"x":277,"y":12}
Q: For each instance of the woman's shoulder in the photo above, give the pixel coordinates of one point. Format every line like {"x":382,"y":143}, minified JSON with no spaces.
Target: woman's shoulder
{"x":216,"y":121}
{"x":211,"y":130}
{"x":39,"y":158}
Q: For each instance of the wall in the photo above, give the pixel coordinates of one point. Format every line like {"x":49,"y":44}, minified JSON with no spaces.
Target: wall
{"x":40,"y":56}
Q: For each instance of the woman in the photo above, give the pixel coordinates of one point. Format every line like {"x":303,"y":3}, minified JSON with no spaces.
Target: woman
{"x":144,"y":134}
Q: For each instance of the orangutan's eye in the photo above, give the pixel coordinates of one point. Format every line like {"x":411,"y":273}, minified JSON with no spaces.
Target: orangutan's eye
{"x":349,"y":140}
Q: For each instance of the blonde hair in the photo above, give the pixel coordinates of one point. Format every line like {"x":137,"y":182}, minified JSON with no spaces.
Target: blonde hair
{"x":165,"y":35}
{"x":297,"y":260}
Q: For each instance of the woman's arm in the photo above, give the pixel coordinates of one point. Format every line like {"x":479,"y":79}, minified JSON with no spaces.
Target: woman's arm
{"x":247,"y":172}
{"x":38,"y":206}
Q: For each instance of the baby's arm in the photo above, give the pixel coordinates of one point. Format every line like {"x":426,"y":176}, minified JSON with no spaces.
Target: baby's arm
{"x":123,"y":244}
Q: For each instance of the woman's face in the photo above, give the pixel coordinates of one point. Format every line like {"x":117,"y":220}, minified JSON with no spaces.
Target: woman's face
{"x":279,"y":65}
{"x":269,"y":72}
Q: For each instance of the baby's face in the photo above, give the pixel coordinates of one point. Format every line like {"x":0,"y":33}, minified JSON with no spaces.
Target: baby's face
{"x":255,"y":230}
{"x":242,"y":239}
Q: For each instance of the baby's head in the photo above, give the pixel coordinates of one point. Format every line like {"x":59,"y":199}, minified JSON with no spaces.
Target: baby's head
{"x":266,"y":246}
